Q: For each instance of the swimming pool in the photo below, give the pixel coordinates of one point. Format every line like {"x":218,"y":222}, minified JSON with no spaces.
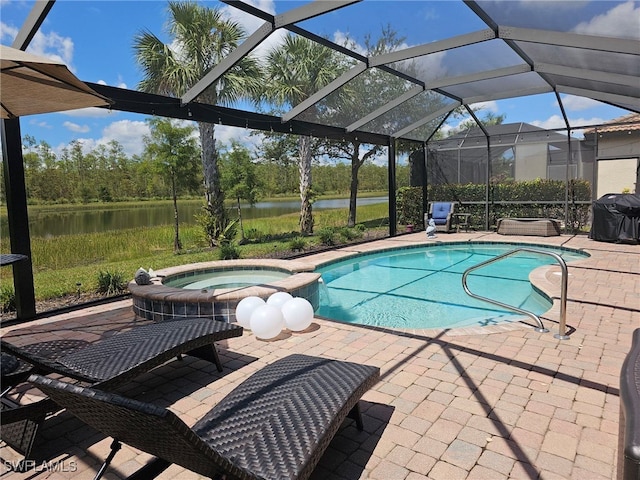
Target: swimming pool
{"x":421,"y":287}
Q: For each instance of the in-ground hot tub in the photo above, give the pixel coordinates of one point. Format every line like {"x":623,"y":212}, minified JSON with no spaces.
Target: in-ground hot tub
{"x":213,"y":289}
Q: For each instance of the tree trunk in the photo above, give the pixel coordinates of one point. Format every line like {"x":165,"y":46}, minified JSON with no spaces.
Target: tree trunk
{"x":177,"y":244}
{"x":212,"y":191}
{"x":240,"y":221}
{"x":353,"y":197}
{"x":304,"y":169}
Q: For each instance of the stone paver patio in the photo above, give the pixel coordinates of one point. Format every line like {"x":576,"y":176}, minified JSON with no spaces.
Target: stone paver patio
{"x":491,"y":403}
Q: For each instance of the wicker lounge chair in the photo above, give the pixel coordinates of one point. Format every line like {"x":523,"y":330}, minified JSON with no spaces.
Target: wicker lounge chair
{"x":442,"y":213}
{"x":107,"y":364}
{"x":542,"y":227}
{"x":274,"y":425}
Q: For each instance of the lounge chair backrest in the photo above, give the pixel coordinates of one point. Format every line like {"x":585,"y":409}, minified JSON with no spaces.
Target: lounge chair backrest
{"x":142,"y":425}
{"x":441,"y":210}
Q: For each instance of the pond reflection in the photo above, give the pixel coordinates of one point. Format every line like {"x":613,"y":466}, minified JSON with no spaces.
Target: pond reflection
{"x":55,"y":222}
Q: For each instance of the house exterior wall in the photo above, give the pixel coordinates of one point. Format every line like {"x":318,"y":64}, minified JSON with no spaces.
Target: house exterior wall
{"x":619,"y":144}
{"x":614,"y":176}
{"x":618,"y":157}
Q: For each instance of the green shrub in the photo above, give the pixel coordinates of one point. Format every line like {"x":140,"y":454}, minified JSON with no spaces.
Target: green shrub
{"x":111,"y":283}
{"x":472,"y":196}
{"x":7,"y":299}
{"x":327,"y":236}
{"x":253,"y":234}
{"x":409,"y":206}
{"x":297,"y":244}
{"x":350,"y":233}
{"x":228,"y":251}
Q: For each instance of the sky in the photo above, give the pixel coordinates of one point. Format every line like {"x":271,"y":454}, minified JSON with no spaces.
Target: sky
{"x":94,"y":39}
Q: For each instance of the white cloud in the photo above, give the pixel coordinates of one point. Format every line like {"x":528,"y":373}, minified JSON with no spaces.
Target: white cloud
{"x":7,"y":33}
{"x":427,"y":67}
{"x":53,"y":46}
{"x":482,"y":107}
{"x":120,"y":82}
{"x":622,"y":20}
{"x":575,"y":103}
{"x":50,"y":45}
{"x":251,"y":24}
{"x":225,"y":134}
{"x":342,"y":38}
{"x":74,"y":127}
{"x":127,"y":133}
{"x":430,"y":14}
{"x":40,"y":123}
{"x":556,"y":121}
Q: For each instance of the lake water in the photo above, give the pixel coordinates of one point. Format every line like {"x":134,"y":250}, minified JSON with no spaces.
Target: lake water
{"x":53,"y":222}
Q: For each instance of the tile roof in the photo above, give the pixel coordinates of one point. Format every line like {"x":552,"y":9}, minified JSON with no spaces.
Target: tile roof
{"x":620,"y":124}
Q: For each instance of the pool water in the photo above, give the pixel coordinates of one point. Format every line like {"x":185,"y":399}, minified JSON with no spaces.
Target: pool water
{"x":417,"y":288}
{"x":226,"y":279}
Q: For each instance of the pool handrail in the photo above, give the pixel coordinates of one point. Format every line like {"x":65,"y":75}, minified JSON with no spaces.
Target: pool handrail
{"x":561,"y":335}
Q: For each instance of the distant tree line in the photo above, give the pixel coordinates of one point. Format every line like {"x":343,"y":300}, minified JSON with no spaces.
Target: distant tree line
{"x":107,"y":174}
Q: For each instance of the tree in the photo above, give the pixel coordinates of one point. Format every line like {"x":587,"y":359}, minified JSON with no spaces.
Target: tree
{"x":200,"y":38}
{"x":239,"y":177}
{"x":489,"y":118}
{"x":356,"y":156}
{"x":363,"y":95}
{"x":277,"y":154}
{"x":296,"y":69}
{"x":174,"y":152}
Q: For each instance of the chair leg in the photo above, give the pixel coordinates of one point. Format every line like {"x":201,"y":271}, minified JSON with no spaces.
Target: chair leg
{"x":151,"y":470}
{"x":357,"y":416}
{"x":208,"y":352}
{"x":115,"y":446}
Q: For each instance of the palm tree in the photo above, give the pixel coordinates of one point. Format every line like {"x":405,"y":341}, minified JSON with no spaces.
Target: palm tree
{"x":296,"y":69}
{"x":200,"y":38}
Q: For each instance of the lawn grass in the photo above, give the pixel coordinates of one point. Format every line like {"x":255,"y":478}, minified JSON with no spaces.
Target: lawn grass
{"x":69,"y":264}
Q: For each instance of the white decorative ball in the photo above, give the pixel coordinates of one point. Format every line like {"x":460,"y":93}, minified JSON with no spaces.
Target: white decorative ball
{"x":298,"y":314}
{"x":278,"y":299}
{"x":245,"y":308}
{"x":266,"y":322}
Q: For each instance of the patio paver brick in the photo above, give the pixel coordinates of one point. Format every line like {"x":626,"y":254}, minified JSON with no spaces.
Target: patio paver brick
{"x":457,"y":405}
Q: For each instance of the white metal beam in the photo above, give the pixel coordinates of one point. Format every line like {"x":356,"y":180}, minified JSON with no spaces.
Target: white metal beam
{"x":523,"y":92}
{"x":475,"y":77}
{"x":428,"y":48}
{"x":323,"y":92}
{"x":594,"y":75}
{"x":601,"y":96}
{"x":310,"y":10}
{"x":385,"y":108}
{"x":228,"y":62}
{"x":419,"y":123}
{"x":36,"y":17}
{"x":566,"y":39}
